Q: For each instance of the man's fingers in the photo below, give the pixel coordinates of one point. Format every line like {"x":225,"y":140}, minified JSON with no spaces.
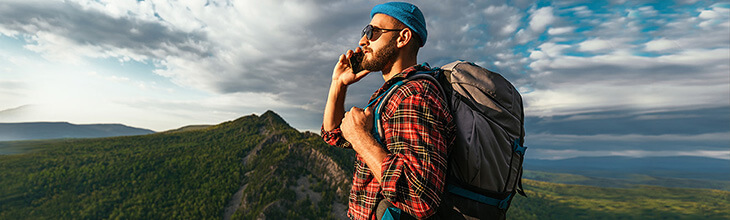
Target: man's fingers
{"x":355,"y":109}
{"x":343,"y":58}
{"x":349,"y":53}
{"x":369,"y":114}
{"x":361,"y":74}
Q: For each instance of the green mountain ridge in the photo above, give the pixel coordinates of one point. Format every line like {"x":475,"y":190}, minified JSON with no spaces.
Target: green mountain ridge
{"x":258,"y":167}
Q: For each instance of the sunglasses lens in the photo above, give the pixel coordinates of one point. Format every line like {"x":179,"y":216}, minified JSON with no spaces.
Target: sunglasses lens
{"x":367,"y":31}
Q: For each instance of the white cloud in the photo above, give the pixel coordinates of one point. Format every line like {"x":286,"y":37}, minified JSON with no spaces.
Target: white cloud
{"x":600,"y":83}
{"x":560,"y":30}
{"x":642,"y":12}
{"x":716,"y":17}
{"x":582,"y":11}
{"x":710,"y":14}
{"x":541,"y":18}
{"x":661,"y":44}
{"x":553,"y":49}
{"x":548,"y":154}
{"x":511,"y":16}
{"x":625,"y":138}
{"x":595,"y":45}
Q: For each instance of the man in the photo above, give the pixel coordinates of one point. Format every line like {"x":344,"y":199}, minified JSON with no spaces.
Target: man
{"x":408,"y":169}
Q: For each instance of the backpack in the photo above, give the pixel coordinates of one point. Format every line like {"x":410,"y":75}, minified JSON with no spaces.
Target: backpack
{"x":485,"y":163}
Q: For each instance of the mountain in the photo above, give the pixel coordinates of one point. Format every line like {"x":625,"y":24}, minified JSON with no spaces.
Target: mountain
{"x":56,"y":130}
{"x":188,"y":128}
{"x":258,"y":167}
{"x":252,"y":167}
{"x":687,"y":167}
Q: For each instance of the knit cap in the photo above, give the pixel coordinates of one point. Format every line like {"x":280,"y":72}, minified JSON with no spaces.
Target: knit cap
{"x":406,"y":13}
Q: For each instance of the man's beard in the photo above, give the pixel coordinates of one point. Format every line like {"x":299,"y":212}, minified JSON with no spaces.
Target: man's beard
{"x":379,"y":59}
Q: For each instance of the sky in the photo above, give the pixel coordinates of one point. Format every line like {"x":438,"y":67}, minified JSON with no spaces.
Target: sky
{"x":598,"y":78}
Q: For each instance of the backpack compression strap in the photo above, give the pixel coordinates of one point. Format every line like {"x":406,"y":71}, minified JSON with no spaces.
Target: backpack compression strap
{"x":501,"y":204}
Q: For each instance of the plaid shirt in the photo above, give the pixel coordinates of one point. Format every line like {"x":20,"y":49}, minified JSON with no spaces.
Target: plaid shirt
{"x":418,"y":131}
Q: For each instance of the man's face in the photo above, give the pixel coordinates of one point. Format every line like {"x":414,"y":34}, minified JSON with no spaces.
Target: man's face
{"x":381,"y":50}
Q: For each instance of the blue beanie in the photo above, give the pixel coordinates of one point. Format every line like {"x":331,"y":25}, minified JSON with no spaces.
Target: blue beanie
{"x":406,"y":13}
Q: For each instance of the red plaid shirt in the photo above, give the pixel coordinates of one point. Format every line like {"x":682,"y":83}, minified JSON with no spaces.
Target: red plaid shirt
{"x":418,"y":131}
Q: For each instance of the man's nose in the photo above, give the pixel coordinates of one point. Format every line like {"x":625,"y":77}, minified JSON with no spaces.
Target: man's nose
{"x":364,"y":40}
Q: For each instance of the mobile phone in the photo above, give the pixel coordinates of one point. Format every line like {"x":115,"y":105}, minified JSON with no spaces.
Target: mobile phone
{"x":356,"y":62}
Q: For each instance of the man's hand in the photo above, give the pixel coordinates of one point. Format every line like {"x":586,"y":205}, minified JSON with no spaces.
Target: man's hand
{"x":357,"y":124}
{"x":342,"y":76}
{"x":343,"y":70}
{"x":356,"y":127}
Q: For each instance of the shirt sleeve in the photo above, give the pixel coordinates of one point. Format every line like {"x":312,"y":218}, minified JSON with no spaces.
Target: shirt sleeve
{"x":335,"y":138}
{"x":418,"y":134}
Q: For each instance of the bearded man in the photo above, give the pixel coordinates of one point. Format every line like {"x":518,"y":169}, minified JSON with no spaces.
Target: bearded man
{"x":404,"y":171}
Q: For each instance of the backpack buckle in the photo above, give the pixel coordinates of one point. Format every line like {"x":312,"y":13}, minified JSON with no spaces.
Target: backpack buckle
{"x":517,"y":147}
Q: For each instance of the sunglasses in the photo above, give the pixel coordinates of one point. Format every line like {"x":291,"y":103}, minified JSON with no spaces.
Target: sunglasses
{"x":368,"y":31}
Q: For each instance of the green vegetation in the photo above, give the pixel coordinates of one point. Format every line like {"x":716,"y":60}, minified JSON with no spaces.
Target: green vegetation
{"x":281,"y":174}
{"x":282,"y":167}
{"x":188,"y":128}
{"x":630,"y":181}
{"x":145,"y":177}
{"x":563,"y":201}
{"x":18,"y":147}
{"x":178,"y":175}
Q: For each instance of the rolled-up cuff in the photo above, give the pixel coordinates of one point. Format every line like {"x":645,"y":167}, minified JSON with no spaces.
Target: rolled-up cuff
{"x":334,"y":138}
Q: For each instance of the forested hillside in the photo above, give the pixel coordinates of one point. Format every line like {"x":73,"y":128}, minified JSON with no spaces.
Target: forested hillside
{"x":260,"y":167}
{"x":179,"y":175}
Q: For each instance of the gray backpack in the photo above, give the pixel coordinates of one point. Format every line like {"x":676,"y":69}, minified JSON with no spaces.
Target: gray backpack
{"x":485,"y":165}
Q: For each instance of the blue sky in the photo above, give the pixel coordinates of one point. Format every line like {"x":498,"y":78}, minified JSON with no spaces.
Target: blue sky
{"x":599,"y":78}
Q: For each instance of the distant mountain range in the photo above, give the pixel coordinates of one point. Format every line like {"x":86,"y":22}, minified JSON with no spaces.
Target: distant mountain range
{"x":57,"y":130}
{"x":688,"y":167}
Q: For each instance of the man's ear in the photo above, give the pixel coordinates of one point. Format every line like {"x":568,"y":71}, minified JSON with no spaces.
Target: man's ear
{"x":405,"y":36}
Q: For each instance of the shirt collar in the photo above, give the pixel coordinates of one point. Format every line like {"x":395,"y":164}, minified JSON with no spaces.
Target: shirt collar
{"x":400,"y":76}
{"x":406,"y":72}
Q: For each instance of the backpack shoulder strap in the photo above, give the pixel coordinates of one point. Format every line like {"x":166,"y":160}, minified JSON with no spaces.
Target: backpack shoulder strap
{"x":378,"y":132}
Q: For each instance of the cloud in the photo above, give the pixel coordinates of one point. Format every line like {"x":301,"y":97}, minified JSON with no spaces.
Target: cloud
{"x":509,"y":17}
{"x":12,"y":93}
{"x":595,"y":45}
{"x":566,"y":154}
{"x":568,"y":58}
{"x":632,"y":138}
{"x":546,"y":145}
{"x":561,"y":30}
{"x":217,"y":47}
{"x":582,"y":11}
{"x":541,"y":18}
{"x":661,"y":44}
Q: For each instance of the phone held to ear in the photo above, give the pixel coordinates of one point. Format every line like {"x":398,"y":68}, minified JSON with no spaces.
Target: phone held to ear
{"x":356,"y":62}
